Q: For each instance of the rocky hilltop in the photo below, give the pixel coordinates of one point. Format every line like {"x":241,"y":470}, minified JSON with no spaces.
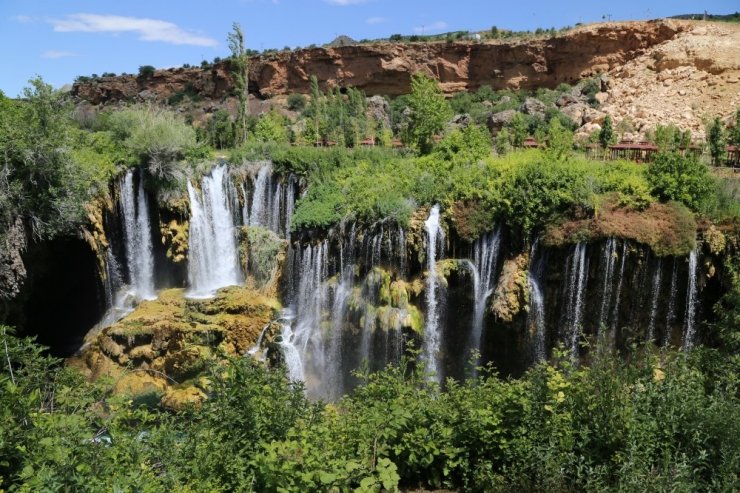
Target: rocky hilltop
{"x":386,"y":68}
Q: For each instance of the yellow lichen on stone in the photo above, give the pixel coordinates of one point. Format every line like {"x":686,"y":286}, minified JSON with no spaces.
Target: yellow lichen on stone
{"x":175,"y":237}
{"x":138,"y":383}
{"x":179,"y":398}
{"x":511,"y":292}
{"x":715,"y":240}
{"x":178,"y":336}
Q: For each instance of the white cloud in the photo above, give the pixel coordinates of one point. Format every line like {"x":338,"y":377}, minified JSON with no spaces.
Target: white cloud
{"x":344,"y":3}
{"x":430,"y":28}
{"x":23,"y":19}
{"x":377,"y":20}
{"x":147,"y":29}
{"x":54,"y":54}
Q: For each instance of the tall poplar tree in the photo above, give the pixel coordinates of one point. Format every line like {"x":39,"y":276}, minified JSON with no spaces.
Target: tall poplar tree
{"x":240,"y":73}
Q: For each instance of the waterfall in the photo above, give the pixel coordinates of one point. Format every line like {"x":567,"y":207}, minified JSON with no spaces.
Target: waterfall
{"x":536,"y":313}
{"x":289,"y":203}
{"x":620,"y":281}
{"x":310,"y":338}
{"x":689,"y":329}
{"x":213,"y":261}
{"x":432,"y":336}
{"x":485,"y":258}
{"x":258,"y":215}
{"x":670,"y":317}
{"x":609,"y":259}
{"x":577,"y":278}
{"x":657,"y":276}
{"x":138,"y":237}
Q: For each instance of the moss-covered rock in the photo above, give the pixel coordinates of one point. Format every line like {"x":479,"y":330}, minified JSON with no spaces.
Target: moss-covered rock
{"x":175,"y":238}
{"x":512,"y":291}
{"x":262,"y":255}
{"x":142,"y":387}
{"x":177,"y":337}
{"x":668,"y":229}
{"x":182,"y":397}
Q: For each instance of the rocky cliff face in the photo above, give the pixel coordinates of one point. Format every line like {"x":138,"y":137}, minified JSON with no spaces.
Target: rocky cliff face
{"x":386,"y":68}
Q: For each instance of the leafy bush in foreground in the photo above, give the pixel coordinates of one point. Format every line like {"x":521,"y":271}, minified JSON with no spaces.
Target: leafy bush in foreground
{"x":664,"y":421}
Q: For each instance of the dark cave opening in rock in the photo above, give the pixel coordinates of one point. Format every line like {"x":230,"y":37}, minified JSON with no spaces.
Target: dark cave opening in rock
{"x":61,"y":299}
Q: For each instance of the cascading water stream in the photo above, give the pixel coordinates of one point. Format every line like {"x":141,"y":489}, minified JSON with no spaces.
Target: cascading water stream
{"x":259,"y":215}
{"x":536,"y":313}
{"x":138,"y":237}
{"x":213,"y":262}
{"x":670,"y":317}
{"x":609,"y":260}
{"x":485,"y":259}
{"x":310,"y":300}
{"x":689,"y":329}
{"x":620,"y":281}
{"x":657,"y":277}
{"x":432,"y":335}
{"x":577,"y":276}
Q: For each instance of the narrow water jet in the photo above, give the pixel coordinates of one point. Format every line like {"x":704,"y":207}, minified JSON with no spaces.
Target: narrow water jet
{"x":618,"y":297}
{"x":655,"y":295}
{"x":577,"y":278}
{"x":609,"y":259}
{"x":670,"y":318}
{"x":536,"y":311}
{"x":689,"y":328}
{"x":485,"y":259}
{"x":432,"y":335}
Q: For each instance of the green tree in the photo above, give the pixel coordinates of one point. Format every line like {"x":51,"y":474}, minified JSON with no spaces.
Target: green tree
{"x":716,"y":139}
{"x":430,"y":112}
{"x":606,"y":134}
{"x":559,"y":140}
{"x":733,"y":137}
{"x":503,"y":142}
{"x":316,"y":110}
{"x":240,"y":72}
{"x":518,"y":126}
{"x":672,"y":176}
{"x":271,"y":128}
{"x":220,"y":130}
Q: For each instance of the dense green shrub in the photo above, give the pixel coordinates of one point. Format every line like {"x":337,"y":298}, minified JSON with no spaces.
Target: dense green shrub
{"x":661,"y":421}
{"x":683,"y":178}
{"x":271,"y":128}
{"x":156,"y":137}
{"x":50,"y":168}
{"x":146,"y":71}
{"x":296,"y":102}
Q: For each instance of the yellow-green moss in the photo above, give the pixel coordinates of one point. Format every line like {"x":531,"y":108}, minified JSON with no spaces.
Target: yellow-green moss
{"x":512,"y":290}
{"x":178,"y":336}
{"x":175,"y":238}
{"x":262,"y":254}
{"x":668,"y":229}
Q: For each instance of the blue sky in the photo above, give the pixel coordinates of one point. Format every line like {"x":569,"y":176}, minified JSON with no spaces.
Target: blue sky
{"x":60,"y":39}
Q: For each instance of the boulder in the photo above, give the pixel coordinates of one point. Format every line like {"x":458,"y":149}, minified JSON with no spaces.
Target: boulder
{"x":591,"y":115}
{"x":575,"y":112}
{"x":601,"y":97}
{"x":497,"y":121}
{"x":461,"y":121}
{"x":532,"y":106}
{"x":586,"y":130}
{"x":568,"y":99}
{"x":379,"y":110}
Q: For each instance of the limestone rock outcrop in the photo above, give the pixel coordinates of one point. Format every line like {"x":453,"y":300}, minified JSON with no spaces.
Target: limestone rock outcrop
{"x":386,"y":68}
